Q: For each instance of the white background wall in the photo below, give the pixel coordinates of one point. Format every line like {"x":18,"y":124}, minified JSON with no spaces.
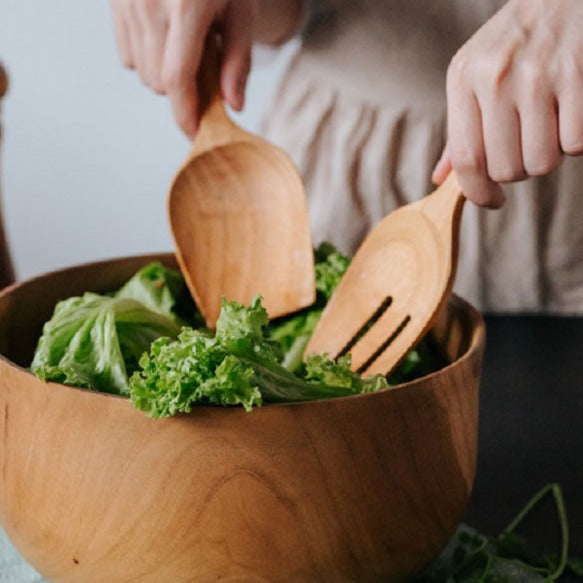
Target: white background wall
{"x":88,"y":152}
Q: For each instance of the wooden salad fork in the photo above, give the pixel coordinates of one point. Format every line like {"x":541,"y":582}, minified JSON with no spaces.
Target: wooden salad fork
{"x":238,"y":214}
{"x":395,"y":285}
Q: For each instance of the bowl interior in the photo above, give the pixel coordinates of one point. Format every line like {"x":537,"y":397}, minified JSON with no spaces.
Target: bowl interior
{"x":26,"y":306}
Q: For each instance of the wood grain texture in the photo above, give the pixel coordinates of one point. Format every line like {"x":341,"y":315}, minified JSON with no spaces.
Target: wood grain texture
{"x":6,"y":268}
{"x":238,"y":214}
{"x":358,"y":489}
{"x":407,"y":262}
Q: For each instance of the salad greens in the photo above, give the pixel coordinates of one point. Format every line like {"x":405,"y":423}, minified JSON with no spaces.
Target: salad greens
{"x":148,"y":341}
{"x":95,"y":341}
{"x":472,"y":557}
{"x":293,"y":333}
{"x":236,"y":366}
{"x":164,"y":291}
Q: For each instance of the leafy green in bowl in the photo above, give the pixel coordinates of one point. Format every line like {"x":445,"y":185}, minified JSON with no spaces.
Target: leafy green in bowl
{"x":148,"y":341}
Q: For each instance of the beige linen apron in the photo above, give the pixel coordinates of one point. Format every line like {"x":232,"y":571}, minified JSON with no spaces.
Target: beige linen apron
{"x":361,"y":110}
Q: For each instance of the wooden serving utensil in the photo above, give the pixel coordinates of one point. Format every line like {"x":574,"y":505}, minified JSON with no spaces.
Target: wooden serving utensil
{"x":395,"y":285}
{"x":238,"y":215}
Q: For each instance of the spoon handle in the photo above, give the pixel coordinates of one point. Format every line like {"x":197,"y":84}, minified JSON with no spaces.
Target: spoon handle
{"x":215,"y":126}
{"x":208,"y":84}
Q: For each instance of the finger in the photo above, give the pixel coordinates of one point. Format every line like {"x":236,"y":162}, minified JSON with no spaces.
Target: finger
{"x":237,"y":42}
{"x":571,"y":120}
{"x":502,"y":142}
{"x":466,"y":143}
{"x":184,"y":44}
{"x":121,"y":32}
{"x":540,"y":135}
{"x":442,"y":168}
{"x":154,"y":28}
{"x":135,"y":34}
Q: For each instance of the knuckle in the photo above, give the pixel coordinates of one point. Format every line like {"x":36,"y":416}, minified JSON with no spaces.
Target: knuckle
{"x":571,"y":72}
{"x":488,"y":195}
{"x":158,"y":88}
{"x":484,"y":72}
{"x":459,"y":69}
{"x":531,"y":77}
{"x":154,"y":83}
{"x":182,"y":7}
{"x":542,"y":166}
{"x":466,"y":161}
{"x":504,"y":173}
{"x":569,"y":68}
{"x":492,"y":75}
{"x":173,"y":78}
{"x":483,"y":199}
{"x":573,"y":146}
{"x":150,"y":7}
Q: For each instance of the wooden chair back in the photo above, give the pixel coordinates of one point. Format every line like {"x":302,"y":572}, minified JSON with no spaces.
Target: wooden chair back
{"x":6,"y":269}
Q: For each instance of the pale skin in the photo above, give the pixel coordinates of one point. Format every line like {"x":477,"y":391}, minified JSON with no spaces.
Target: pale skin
{"x":514,"y":89}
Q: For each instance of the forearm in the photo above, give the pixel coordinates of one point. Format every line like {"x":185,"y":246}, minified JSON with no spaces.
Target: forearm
{"x":277,"y":20}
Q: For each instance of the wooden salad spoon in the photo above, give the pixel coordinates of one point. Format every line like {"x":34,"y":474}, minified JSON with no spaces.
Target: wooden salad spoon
{"x":238,"y":213}
{"x":395,"y":285}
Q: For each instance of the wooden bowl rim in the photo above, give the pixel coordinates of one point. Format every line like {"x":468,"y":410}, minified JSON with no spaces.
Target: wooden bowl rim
{"x":475,"y":319}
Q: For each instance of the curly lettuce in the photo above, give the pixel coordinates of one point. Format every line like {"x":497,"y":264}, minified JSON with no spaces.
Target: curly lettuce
{"x":236,"y":366}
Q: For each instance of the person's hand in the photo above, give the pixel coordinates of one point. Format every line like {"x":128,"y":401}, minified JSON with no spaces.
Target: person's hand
{"x":164,"y":39}
{"x":515,"y":98}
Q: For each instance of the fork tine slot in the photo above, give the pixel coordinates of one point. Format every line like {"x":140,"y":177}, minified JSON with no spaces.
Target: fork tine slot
{"x":380,"y":335}
{"x":361,"y":369}
{"x":367,"y":325}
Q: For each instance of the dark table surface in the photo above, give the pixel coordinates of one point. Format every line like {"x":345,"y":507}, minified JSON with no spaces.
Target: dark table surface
{"x":531,"y":421}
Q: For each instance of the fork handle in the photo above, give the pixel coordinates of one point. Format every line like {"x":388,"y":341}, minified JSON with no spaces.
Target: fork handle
{"x":445,"y":204}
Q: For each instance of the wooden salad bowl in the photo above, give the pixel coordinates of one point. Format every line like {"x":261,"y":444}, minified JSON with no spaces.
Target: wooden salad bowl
{"x":363,"y":488}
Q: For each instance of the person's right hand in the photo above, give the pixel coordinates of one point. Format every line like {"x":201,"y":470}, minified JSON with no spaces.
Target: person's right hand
{"x":163,"y":41}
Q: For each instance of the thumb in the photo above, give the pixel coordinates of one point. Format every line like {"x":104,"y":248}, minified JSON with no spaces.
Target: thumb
{"x":442,"y":168}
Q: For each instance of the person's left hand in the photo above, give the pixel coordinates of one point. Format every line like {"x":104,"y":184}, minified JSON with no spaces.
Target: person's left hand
{"x":515,"y":98}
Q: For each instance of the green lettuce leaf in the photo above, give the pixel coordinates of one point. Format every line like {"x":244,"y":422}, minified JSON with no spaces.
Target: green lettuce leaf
{"x":237,"y":366}
{"x":330,"y":266}
{"x":162,"y":290}
{"x":337,"y":373}
{"x":292,"y":333}
{"x":96,"y":341}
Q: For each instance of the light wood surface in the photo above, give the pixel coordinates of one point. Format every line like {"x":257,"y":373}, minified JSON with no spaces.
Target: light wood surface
{"x":238,"y":214}
{"x":359,"y":489}
{"x":406,"y":265}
